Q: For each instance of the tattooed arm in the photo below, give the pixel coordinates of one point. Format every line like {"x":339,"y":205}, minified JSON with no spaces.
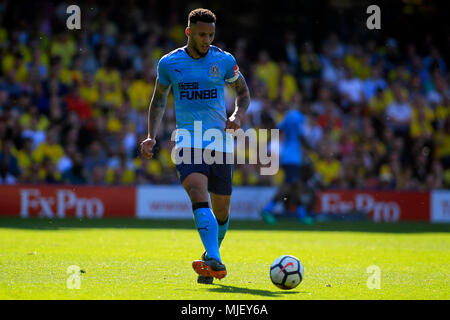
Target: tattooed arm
{"x":242,"y":103}
{"x":155,"y":114}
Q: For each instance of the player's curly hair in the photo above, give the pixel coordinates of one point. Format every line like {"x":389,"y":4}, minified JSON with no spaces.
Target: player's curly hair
{"x":202,"y":15}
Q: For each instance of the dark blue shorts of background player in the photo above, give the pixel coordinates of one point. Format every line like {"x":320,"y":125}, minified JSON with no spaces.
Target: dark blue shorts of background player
{"x":289,"y":193}
{"x":292,"y":173}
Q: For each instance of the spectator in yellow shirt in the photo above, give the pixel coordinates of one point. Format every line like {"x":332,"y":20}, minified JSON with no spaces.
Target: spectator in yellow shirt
{"x":109,"y":97}
{"x":21,"y":68}
{"x":65,"y":47}
{"x":8,"y":62}
{"x":88,"y":89}
{"x":421,"y":119}
{"x":442,"y":111}
{"x":288,"y":85}
{"x":310,"y":68}
{"x":49,"y":149}
{"x":140,"y":91}
{"x":268,"y":72}
{"x":109,"y":76}
{"x":327,"y":166}
{"x":442,"y":141}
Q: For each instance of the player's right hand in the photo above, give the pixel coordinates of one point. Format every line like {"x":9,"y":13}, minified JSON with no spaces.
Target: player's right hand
{"x":147,"y":147}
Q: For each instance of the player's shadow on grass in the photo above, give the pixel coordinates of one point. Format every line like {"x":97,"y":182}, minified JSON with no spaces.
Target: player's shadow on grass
{"x":221,"y":288}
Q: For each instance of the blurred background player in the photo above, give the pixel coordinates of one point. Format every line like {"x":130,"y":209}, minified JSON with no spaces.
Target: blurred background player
{"x":291,"y":160}
{"x":197,"y":73}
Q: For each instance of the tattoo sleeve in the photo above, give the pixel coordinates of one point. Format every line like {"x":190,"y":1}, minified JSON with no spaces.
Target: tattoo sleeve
{"x":157,"y":107}
{"x":242,"y":96}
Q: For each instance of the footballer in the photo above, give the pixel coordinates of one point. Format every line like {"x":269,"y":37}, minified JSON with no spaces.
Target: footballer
{"x":197,"y":74}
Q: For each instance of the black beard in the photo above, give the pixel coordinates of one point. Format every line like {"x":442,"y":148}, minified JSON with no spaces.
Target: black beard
{"x":199,"y":53}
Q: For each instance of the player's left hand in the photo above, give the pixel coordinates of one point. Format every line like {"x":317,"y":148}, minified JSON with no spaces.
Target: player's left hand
{"x":233,"y":123}
{"x":147,"y":147}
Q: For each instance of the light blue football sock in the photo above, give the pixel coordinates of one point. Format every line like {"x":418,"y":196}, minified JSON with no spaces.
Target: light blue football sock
{"x":269,"y":207}
{"x":208,"y":229}
{"x":301,"y":212}
{"x":222,"y":230}
{"x":221,"y":234}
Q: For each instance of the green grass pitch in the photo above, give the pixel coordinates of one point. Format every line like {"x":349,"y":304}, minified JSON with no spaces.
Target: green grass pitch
{"x":149,"y":259}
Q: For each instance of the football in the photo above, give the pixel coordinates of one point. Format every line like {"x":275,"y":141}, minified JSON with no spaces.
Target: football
{"x":286,"y":272}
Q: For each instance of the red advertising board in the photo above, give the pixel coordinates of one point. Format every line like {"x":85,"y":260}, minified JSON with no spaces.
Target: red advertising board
{"x":387,"y":206}
{"x":67,"y":201}
{"x":100,"y":202}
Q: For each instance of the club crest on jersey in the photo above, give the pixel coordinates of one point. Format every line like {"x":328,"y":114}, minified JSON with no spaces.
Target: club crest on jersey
{"x":214,"y":71}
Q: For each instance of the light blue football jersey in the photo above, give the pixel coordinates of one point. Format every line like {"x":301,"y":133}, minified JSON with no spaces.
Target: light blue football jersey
{"x":291,"y":147}
{"x":199,"y":92}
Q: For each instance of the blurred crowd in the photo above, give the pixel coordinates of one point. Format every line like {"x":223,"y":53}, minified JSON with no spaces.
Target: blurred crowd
{"x":73,"y":104}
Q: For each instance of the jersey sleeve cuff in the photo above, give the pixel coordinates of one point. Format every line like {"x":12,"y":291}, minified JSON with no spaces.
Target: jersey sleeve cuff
{"x":233,"y":79}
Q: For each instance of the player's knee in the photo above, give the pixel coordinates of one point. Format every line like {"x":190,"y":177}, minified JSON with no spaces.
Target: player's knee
{"x":197,"y":194}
